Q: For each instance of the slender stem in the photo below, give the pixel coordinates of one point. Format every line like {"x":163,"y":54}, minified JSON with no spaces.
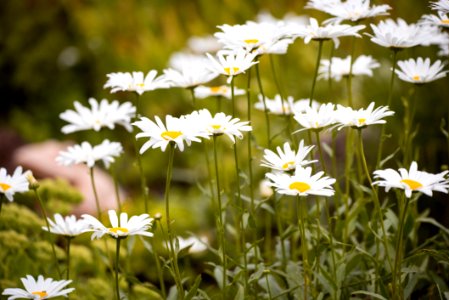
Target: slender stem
{"x":331,"y":238}
{"x":69,"y":240}
{"x":168,"y":222}
{"x":276,"y":82}
{"x":280,"y":229}
{"x":320,"y":150}
{"x":270,"y":296}
{"x":117,"y":257}
{"x":390,"y":96}
{"x":250,"y":156}
{"x":317,"y":66}
{"x":232,"y":97}
{"x":265,"y":109}
{"x":375,"y":198}
{"x":117,"y":191}
{"x":301,"y":224}
{"x":348,"y":164}
{"x":218,"y":103}
{"x":94,"y":188}
{"x":192,"y":92}
{"x":349,"y":78}
{"x":329,"y":69}
{"x":397,"y":282}
{"x":1,"y":202}
{"x":407,"y":149}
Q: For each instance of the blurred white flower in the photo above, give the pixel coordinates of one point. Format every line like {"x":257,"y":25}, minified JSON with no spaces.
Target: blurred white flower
{"x":316,"y":118}
{"x":287,"y":159}
{"x":340,"y":67}
{"x":420,"y":71}
{"x":440,"y":5}
{"x":85,"y":153}
{"x":67,"y":226}
{"x":195,"y":244}
{"x":203,"y":44}
{"x":412,"y":180}
{"x":348,"y":117}
{"x":265,"y":189}
{"x":135,"y":82}
{"x":288,"y":107}
{"x":42,"y":288}
{"x":15,"y":183}
{"x":120,"y":228}
{"x":441,"y":20}
{"x":302,"y":183}
{"x":103,"y":114}
{"x":232,"y":64}
{"x":202,"y":91}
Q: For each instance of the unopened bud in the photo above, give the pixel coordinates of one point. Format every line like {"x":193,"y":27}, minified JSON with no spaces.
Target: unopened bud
{"x":34,"y":184}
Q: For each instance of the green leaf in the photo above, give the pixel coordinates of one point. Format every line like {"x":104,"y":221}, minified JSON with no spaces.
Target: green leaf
{"x":193,"y":290}
{"x":377,"y":296}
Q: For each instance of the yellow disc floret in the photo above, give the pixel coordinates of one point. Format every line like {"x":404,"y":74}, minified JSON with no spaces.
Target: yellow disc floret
{"x":299,"y":186}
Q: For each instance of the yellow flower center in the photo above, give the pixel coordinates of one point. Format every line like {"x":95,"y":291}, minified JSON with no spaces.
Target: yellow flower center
{"x":445,"y":21}
{"x":41,"y":294}
{"x":117,"y":229}
{"x":412,"y":184}
{"x":362,"y":121}
{"x":299,"y":186}
{"x":170,"y":135}
{"x":141,"y":85}
{"x":416,"y":77}
{"x":217,"y":89}
{"x":216,"y":127}
{"x":228,"y":70}
{"x":287,"y":164}
{"x":251,"y":41}
{"x":4,"y":186}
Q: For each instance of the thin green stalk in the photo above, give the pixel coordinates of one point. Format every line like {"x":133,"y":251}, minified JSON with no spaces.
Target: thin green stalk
{"x":218,"y":103}
{"x":276,"y":82}
{"x":170,"y":235}
{"x":320,"y":150}
{"x":44,"y":213}
{"x":192,"y":92}
{"x":117,"y":191}
{"x":375,"y":198}
{"x":397,"y":282}
{"x":317,"y":66}
{"x":117,"y":257}
{"x":1,"y":202}
{"x":301,"y":225}
{"x":390,"y":96}
{"x":270,"y":296}
{"x":265,"y":109}
{"x":160,"y":275}
{"x":349,"y":78}
{"x":250,"y":156}
{"x":329,"y":69}
{"x":69,"y":240}
{"x":348,"y":163}
{"x":94,"y":188}
{"x":408,"y":123}
{"x":232,"y":97}
{"x":220,"y":219}
{"x":280,"y":229}
{"x":331,"y":239}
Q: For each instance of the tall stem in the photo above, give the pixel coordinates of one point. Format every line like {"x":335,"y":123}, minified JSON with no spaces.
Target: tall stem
{"x":1,"y":202}
{"x":94,"y":189}
{"x":320,"y":150}
{"x":317,"y":66}
{"x":170,"y":235}
{"x":250,"y":156}
{"x":69,"y":240}
{"x":192,"y":92}
{"x":265,"y":109}
{"x":301,"y":225}
{"x":397,"y":282}
{"x":349,"y":79}
{"x":390,"y":96}
{"x":44,"y":213}
{"x":117,"y":258}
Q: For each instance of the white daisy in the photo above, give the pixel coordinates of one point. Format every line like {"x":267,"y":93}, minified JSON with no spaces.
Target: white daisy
{"x":219,"y":124}
{"x":302,"y":183}
{"x":287,"y":159}
{"x":67,"y":226}
{"x":176,"y":130}
{"x":398,"y":34}
{"x":136,"y":225}
{"x":349,"y":10}
{"x":288,"y":107}
{"x":232,"y":64}
{"x":444,"y":50}
{"x":103,"y":114}
{"x":314,"y":31}
{"x":440,"y":5}
{"x":435,"y":36}
{"x":265,"y":189}
{"x":317,"y":118}
{"x":187,"y":71}
{"x":202,"y":91}
{"x":340,"y":67}
{"x":348,"y":117}
{"x":420,"y":71}
{"x":85,"y":153}
{"x":135,"y":82}
{"x":442,"y":20}
{"x":412,"y":180}
{"x":195,"y":244}
{"x":42,"y":288}
{"x":203,"y":44}
{"x":15,"y":183}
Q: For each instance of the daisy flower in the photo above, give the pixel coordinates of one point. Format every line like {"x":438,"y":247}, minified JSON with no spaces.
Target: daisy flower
{"x":398,"y":34}
{"x":136,"y":225}
{"x":440,"y":5}
{"x":340,"y":67}
{"x":220,"y":124}
{"x":66,"y":226}
{"x":420,"y":71}
{"x":195,"y":244}
{"x":232,"y":64}
{"x":103,"y":114}
{"x":175,"y":130}
{"x":441,"y":20}
{"x":202,"y":91}
{"x":316,"y":118}
{"x":85,"y":153}
{"x":315,"y":32}
{"x":15,"y":183}
{"x":288,"y":107}
{"x":286,"y":159}
{"x":348,"y":117}
{"x":265,"y":189}
{"x":134,"y":82}
{"x":349,"y":10}
{"x":412,"y":180}
{"x":203,"y":44}
{"x":188,"y":71}
{"x":42,"y":288}
{"x":302,"y":183}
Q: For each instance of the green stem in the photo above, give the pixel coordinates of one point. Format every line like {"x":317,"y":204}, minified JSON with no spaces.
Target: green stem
{"x":265,"y":109}
{"x":349,"y":79}
{"x":94,"y":188}
{"x":1,"y":202}
{"x":170,"y":234}
{"x":276,"y":82}
{"x":117,"y":257}
{"x":397,"y":282}
{"x":317,"y":66}
{"x":69,"y":240}
{"x":268,"y":285}
{"x":301,"y":225}
{"x":407,"y":149}
{"x":329,"y":69}
{"x":390,"y":96}
{"x":280,"y":229}
{"x":250,"y":156}
{"x":232,"y":97}
{"x":320,"y":150}
{"x":220,"y":219}
{"x":117,"y":191}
